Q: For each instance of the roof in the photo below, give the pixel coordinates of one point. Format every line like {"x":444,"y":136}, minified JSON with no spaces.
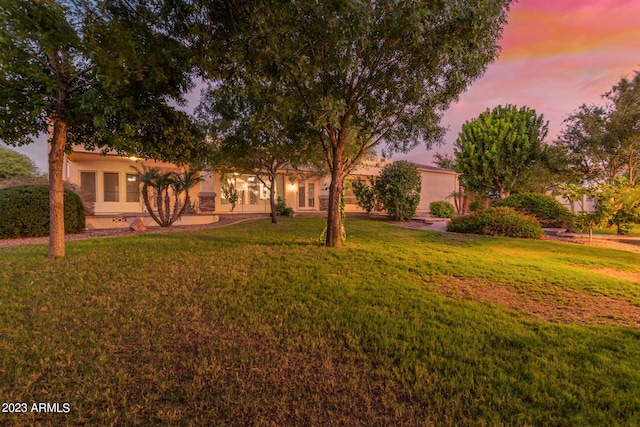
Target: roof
{"x":433,"y":168}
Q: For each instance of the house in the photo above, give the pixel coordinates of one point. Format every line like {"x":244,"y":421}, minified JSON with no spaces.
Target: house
{"x":110,"y":182}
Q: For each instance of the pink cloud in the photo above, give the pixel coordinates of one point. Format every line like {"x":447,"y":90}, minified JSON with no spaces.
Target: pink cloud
{"x":556,"y":56}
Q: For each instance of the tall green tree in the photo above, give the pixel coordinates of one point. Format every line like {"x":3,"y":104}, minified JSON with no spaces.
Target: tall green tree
{"x":98,"y":73}
{"x":603,"y":141}
{"x":363,"y":75}
{"x":495,"y":149}
{"x":15,"y":165}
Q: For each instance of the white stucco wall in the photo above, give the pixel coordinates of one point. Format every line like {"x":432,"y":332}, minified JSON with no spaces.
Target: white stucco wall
{"x":79,"y":162}
{"x":436,"y":186}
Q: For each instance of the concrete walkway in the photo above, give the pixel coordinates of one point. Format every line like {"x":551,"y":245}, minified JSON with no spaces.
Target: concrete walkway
{"x":624,"y":239}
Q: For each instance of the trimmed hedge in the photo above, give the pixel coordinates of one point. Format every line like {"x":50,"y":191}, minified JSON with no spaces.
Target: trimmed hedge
{"x":25,"y":211}
{"x":548,"y":211}
{"x":441,"y":209}
{"x":498,"y":221}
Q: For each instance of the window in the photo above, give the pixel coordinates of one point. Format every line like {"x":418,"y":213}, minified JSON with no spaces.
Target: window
{"x":133,"y":188}
{"x":306,"y":195}
{"x":88,"y":185}
{"x":253,"y":188}
{"x":302,"y":198}
{"x":311,"y":196}
{"x":280,"y":185}
{"x":349,"y":197}
{"x":111,"y":187}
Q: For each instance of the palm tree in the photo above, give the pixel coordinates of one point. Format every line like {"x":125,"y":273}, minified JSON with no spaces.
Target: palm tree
{"x":162,"y":183}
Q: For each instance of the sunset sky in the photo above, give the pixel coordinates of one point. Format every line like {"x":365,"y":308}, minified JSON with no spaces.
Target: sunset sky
{"x":556,"y":55}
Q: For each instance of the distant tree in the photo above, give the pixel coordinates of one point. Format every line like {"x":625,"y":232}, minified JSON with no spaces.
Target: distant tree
{"x":15,"y":165}
{"x":398,"y":189}
{"x":494,"y":150}
{"x":99,"y":73}
{"x":548,"y":172}
{"x":616,"y":203}
{"x":444,"y":161}
{"x":603,"y":142}
{"x":360,"y":73}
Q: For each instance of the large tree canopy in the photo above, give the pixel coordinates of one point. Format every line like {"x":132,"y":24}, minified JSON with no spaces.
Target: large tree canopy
{"x":493,"y":150}
{"x":603,"y":142}
{"x":363,"y":75}
{"x":255,"y":132}
{"x":98,"y":73}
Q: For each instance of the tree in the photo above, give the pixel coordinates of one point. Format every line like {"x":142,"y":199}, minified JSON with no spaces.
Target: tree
{"x":603,"y":141}
{"x":99,"y":74}
{"x":15,"y":165}
{"x":230,"y":193}
{"x":164,"y":185}
{"x":363,"y":75}
{"x":548,"y":172}
{"x":616,"y":203}
{"x":493,"y":150}
{"x":255,"y":132}
{"x":398,"y":189}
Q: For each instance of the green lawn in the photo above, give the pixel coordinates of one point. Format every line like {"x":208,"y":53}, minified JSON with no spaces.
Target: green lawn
{"x":635,"y":231}
{"x":255,"y":324}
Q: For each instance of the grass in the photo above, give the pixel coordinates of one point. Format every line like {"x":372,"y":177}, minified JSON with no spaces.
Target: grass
{"x":256,"y":324}
{"x":635,"y":231}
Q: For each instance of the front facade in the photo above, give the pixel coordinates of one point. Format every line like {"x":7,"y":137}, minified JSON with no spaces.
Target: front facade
{"x":110,"y":182}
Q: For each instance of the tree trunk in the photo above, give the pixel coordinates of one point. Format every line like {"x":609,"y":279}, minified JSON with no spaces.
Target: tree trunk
{"x":56,"y":189}
{"x":630,"y":167}
{"x":334,"y":219}
{"x":272,"y":198}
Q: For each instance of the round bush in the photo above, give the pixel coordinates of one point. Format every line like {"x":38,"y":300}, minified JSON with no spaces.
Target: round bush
{"x":398,"y":188}
{"x":497,"y":221}
{"x":441,"y":209}
{"x":547,"y":210}
{"x":25,"y":211}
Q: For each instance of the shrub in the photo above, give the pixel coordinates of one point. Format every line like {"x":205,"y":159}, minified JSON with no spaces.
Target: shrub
{"x":25,"y":211}
{"x":86,"y":197}
{"x":547,"y":210}
{"x":441,"y":209}
{"x":497,"y":221}
{"x":398,"y":188}
{"x":365,"y":194}
{"x":475,"y":206}
{"x":282,"y":209}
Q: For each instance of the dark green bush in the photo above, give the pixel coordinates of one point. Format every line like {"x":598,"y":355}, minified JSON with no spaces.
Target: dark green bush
{"x":365,"y":195}
{"x":475,"y":205}
{"x":441,"y":209}
{"x":548,"y":211}
{"x":497,"y":221}
{"x":25,"y":211}
{"x":282,"y":209}
{"x":398,"y":188}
